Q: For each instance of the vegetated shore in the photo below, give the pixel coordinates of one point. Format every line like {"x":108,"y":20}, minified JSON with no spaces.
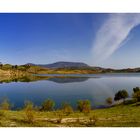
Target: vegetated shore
{"x":27,"y":69}
{"x":117,"y":116}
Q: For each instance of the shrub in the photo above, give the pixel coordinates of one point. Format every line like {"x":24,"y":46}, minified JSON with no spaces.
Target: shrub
{"x":47,"y":105}
{"x":67,"y":109}
{"x":136,"y":89}
{"x":136,"y":95}
{"x":84,"y":106}
{"x":109,"y":101}
{"x":121,"y":94}
{"x":93,"y":120}
{"x":29,"y":111}
{"x":5,"y":105}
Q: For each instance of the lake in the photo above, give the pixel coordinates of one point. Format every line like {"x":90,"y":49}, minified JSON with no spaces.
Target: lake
{"x":68,"y":88}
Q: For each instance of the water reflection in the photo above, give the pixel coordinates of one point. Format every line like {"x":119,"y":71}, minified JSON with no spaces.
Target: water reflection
{"x":68,"y":79}
{"x":57,"y":79}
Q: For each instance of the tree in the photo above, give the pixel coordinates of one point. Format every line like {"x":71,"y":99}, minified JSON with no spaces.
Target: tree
{"x":121,"y":94}
{"x":124,"y":94}
{"x":67,"y":109}
{"x":136,"y":89}
{"x":1,"y":65}
{"x":27,"y":66}
{"x":48,"y":105}
{"x":109,"y":101}
{"x":84,"y":106}
{"x":136,"y":93}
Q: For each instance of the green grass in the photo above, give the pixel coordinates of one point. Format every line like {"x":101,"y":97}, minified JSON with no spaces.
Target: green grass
{"x":118,"y":116}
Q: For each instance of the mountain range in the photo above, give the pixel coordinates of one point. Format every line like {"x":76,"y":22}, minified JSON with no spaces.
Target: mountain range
{"x":81,"y":65}
{"x":62,"y":64}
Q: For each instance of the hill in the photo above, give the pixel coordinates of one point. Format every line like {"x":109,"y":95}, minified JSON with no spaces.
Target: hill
{"x":62,"y":64}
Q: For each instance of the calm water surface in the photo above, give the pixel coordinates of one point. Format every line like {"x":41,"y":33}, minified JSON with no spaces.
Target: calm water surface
{"x":95,"y":87}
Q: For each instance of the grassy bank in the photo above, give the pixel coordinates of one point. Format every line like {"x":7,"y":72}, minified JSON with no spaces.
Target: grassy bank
{"x":118,"y":116}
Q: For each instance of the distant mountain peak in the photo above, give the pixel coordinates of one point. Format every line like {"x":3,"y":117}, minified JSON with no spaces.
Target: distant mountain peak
{"x":62,"y":64}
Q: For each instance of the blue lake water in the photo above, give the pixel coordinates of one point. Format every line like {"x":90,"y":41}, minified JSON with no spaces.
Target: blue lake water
{"x":94,"y":87}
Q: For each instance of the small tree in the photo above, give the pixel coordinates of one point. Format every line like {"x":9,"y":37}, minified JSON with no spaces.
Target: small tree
{"x":121,"y":94}
{"x":136,"y":89}
{"x":84,"y":106}
{"x":29,"y":111}
{"x":67,"y":109}
{"x":5,"y":105}
{"x":136,"y":93}
{"x":1,"y":65}
{"x":48,"y":105}
{"x":124,"y":94}
{"x":109,"y":101}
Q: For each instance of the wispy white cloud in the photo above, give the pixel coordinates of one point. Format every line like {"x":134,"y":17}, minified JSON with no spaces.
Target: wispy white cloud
{"x":112,"y":35}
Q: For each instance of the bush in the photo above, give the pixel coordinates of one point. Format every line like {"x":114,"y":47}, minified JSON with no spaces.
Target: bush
{"x":93,"y":120}
{"x":84,"y":106}
{"x":5,"y":105}
{"x":47,"y":105}
{"x":29,"y":111}
{"x":121,"y":94}
{"x":136,"y":89}
{"x":109,"y":101}
{"x":136,"y":95}
{"x":67,"y":109}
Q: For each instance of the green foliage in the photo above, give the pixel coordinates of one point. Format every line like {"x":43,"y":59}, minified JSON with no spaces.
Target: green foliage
{"x":136,"y":89}
{"x":29,"y":112}
{"x":47,"y":105}
{"x":23,"y":67}
{"x":109,"y":101}
{"x":121,"y":94}
{"x":26,"y":66}
{"x":5,"y":105}
{"x":6,"y":67}
{"x":67,"y":109}
{"x":14,"y":66}
{"x":136,"y":95}
{"x":84,"y":106}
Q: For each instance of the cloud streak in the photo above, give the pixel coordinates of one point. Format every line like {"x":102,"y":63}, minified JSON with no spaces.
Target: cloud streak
{"x":112,"y":35}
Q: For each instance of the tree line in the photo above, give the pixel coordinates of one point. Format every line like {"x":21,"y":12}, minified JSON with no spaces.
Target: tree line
{"x":123,"y":95}
{"x":14,"y":67}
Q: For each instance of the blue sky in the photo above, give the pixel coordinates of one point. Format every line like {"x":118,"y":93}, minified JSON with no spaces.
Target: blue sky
{"x":47,"y":38}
